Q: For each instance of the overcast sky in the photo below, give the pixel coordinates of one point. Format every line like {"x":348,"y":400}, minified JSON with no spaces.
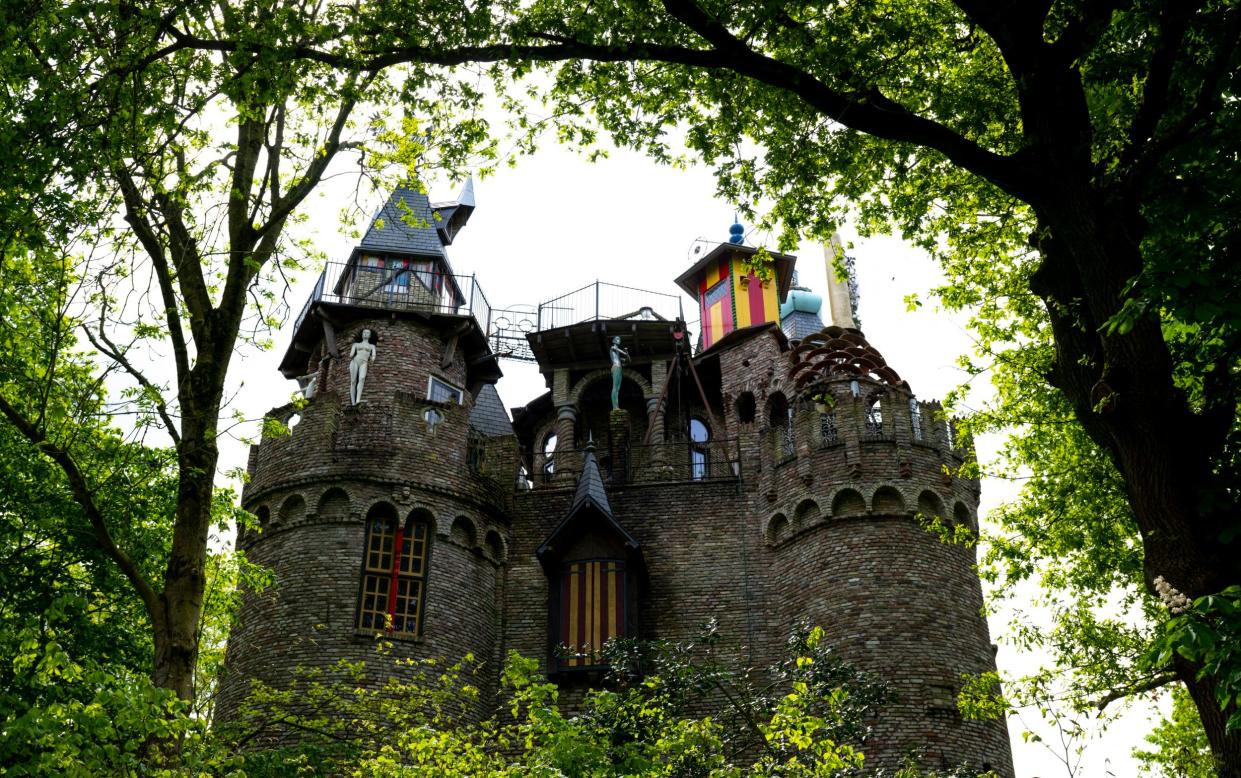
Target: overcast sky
{"x":557,"y":222}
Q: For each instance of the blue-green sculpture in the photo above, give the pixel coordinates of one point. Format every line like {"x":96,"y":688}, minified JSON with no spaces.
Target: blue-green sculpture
{"x":619,"y":355}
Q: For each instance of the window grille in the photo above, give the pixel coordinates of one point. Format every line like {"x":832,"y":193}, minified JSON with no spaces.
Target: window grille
{"x":827,"y":429}
{"x":874,"y":421}
{"x":787,"y":447}
{"x":915,"y":418}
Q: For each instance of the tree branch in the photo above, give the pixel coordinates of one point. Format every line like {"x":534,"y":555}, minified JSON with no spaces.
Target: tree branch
{"x":873,"y":113}
{"x":1084,"y":30}
{"x":1150,"y":684}
{"x":1147,"y":155}
{"x":187,"y":262}
{"x":83,"y":496}
{"x":105,"y":346}
{"x":163,"y":274}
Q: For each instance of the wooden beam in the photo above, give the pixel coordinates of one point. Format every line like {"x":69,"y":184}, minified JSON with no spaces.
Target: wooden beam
{"x":329,"y":337}
{"x":450,"y":350}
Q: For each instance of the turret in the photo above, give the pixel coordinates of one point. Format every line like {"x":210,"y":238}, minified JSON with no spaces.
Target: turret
{"x":730,"y":294}
{"x":386,"y":507}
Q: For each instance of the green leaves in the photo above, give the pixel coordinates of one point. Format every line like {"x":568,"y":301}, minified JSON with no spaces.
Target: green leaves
{"x":1208,"y":634}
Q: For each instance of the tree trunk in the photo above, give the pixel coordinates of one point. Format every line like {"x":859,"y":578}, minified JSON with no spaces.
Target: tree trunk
{"x":1121,"y":389}
{"x":177,"y":628}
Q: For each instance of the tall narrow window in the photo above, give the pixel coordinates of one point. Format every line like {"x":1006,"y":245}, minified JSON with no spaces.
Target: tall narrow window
{"x":592,"y":609}
{"x":549,"y":456}
{"x":780,"y":419}
{"x":394,"y":572}
{"x":874,"y":420}
{"x":915,"y":418}
{"x":699,"y":454}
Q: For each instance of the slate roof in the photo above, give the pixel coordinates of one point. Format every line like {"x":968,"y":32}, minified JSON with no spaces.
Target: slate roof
{"x":455,"y":213}
{"x":799,"y":324}
{"x":590,"y":501}
{"x":488,"y":415}
{"x":390,"y":232}
{"x":590,"y":487}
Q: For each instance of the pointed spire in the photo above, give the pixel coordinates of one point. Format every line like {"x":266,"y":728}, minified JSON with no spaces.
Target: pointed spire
{"x":841,"y":298}
{"x":405,"y":225}
{"x":466,"y":196}
{"x":590,"y":486}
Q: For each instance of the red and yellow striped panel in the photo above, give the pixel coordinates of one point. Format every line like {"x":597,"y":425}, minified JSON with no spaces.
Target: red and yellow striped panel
{"x":716,"y":302}
{"x":592,"y":609}
{"x":756,"y":302}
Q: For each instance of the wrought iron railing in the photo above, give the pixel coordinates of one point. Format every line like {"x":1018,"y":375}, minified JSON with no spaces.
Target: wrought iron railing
{"x":607,"y":301}
{"x":509,"y":327}
{"x":408,"y":287}
{"x":678,"y":460}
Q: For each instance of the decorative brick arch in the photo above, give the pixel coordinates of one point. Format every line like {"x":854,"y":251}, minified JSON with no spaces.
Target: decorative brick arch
{"x":575,"y":394}
{"x":776,"y":529}
{"x":931,"y":505}
{"x":888,"y":499}
{"x":961,"y":516}
{"x":495,"y":548}
{"x":334,"y":499}
{"x":463,"y":532}
{"x":291,"y":509}
{"x":848,"y":501}
{"x":806,"y":513}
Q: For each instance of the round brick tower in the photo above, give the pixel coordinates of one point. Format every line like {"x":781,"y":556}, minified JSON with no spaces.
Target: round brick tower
{"x":858,"y":482}
{"x":862,"y":481}
{"x":382,"y":513}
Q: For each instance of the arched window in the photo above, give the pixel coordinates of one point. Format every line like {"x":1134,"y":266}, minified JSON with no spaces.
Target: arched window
{"x":549,"y":455}
{"x":780,"y":421}
{"x":699,"y":454}
{"x":874,"y":419}
{"x":745,"y":407}
{"x":394,"y":572}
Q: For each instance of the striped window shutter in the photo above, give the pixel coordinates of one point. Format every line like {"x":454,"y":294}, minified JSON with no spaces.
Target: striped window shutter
{"x":592,"y":609}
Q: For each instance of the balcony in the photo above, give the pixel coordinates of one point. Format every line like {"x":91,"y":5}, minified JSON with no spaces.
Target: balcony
{"x":409,"y":288}
{"x":345,"y":291}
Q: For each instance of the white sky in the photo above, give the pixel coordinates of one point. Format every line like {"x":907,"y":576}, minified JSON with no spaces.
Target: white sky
{"x":557,"y":222}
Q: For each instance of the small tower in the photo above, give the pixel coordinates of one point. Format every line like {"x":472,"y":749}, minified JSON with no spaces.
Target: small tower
{"x":382,"y":514}
{"x":730,"y":295}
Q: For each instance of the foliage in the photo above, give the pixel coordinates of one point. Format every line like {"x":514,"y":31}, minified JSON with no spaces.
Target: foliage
{"x":150,"y":178}
{"x":1208,"y":633}
{"x":1071,"y":164}
{"x":1181,"y":746}
{"x":802,"y":717}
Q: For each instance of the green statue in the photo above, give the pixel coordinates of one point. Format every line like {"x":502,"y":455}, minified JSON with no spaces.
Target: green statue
{"x":619,"y":355}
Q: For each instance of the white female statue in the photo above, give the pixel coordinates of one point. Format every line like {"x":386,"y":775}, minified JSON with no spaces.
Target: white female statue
{"x":361,"y":355}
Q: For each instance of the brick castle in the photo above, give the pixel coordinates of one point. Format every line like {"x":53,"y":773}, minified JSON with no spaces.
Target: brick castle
{"x":762,"y":469}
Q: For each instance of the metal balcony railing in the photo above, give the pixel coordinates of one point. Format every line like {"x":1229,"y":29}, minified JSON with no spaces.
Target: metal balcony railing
{"x":607,"y":301}
{"x":407,"y":287}
{"x":677,"y":460}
